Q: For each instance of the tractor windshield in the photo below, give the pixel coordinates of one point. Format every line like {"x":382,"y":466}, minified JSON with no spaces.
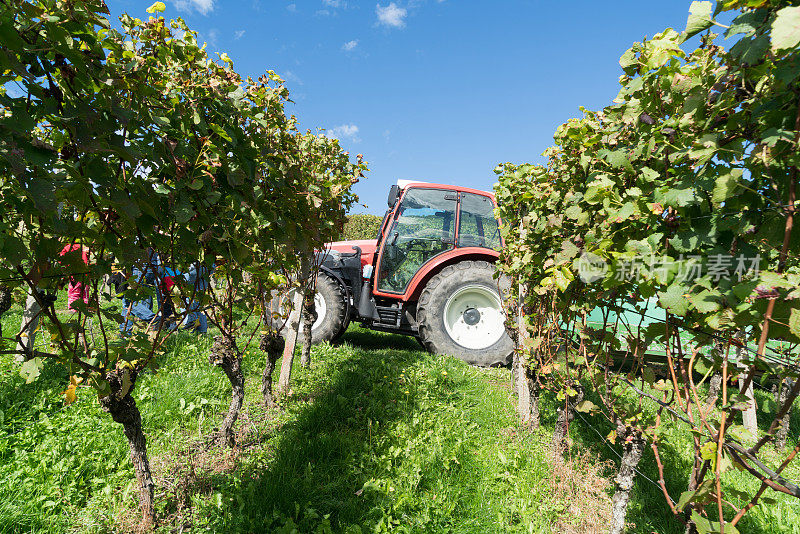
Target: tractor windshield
{"x":423,"y":228}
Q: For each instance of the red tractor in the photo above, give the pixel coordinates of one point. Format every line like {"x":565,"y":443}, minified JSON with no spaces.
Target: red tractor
{"x":429,"y":274}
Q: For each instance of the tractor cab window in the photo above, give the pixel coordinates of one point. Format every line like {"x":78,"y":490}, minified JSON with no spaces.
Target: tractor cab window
{"x":477,"y":224}
{"x":423,"y":228}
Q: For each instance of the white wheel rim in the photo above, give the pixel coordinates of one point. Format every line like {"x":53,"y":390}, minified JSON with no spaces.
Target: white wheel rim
{"x":482,"y":325}
{"x":320,"y":307}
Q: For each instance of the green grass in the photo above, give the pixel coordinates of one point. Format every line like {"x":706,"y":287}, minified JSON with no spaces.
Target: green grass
{"x":385,"y":439}
{"x":376,"y":436}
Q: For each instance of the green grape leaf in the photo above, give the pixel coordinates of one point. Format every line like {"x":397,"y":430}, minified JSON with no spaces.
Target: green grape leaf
{"x":785,"y":29}
{"x":740,"y":433}
{"x":706,"y":301}
{"x":674,"y":299}
{"x":699,"y":18}
{"x":725,"y":186}
{"x":30,"y":369}
{"x":794,"y":322}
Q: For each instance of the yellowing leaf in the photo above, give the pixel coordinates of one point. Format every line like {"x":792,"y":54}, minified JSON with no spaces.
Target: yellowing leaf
{"x":70,"y":394}
{"x":709,"y":451}
{"x":586,"y":406}
{"x":157,"y":7}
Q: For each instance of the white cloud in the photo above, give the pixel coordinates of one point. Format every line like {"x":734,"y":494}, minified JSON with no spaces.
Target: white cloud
{"x":238,"y":34}
{"x":290,"y":76}
{"x":322,"y":12}
{"x":350,"y":45}
{"x":334,"y":3}
{"x":201,"y":6}
{"x":391,"y":15}
{"x":213,"y":35}
{"x":292,"y":8}
{"x":344,"y":131}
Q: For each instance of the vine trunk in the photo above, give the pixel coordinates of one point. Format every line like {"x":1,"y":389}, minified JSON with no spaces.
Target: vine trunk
{"x":123,"y":410}
{"x":225,"y":355}
{"x":272,"y":344}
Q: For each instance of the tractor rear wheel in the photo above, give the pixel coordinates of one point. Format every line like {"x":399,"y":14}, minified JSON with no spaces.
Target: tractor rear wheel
{"x":460,"y":313}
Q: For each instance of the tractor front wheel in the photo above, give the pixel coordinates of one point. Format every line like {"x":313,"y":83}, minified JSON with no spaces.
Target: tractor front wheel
{"x":330,"y":310}
{"x":460,"y":312}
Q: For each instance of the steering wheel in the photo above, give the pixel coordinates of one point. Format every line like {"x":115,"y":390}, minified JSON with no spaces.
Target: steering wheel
{"x":417,"y":244}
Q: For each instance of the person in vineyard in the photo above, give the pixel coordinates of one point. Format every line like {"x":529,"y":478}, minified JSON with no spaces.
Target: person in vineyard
{"x":166,"y":308}
{"x":196,"y":319}
{"x":160,"y":276}
{"x":30,"y":322}
{"x":141,"y":309}
{"x":77,"y":287}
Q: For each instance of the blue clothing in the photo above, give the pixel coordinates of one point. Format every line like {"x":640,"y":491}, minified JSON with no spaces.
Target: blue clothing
{"x":197,"y":278}
{"x":141,"y":309}
{"x":196,"y":319}
{"x":154,"y":273}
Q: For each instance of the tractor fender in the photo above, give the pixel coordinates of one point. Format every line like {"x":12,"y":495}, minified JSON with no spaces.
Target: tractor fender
{"x":435,"y":265}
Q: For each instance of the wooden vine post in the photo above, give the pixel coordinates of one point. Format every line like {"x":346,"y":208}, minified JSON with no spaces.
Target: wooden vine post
{"x":781,"y":398}
{"x":524,"y":383}
{"x":308,"y":290}
{"x":293,"y":325}
{"x":633,"y":445}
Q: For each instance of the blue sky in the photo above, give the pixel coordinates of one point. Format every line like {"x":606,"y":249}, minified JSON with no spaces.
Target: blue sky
{"x":432,"y":90}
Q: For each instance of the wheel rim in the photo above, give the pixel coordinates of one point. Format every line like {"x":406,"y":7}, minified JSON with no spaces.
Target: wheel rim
{"x":320,"y":308}
{"x":473,"y":317}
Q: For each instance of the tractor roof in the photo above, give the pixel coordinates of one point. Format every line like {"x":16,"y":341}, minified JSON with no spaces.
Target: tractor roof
{"x":405,"y":183}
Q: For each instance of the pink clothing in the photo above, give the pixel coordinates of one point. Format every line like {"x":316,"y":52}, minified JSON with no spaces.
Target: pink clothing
{"x":76,"y":290}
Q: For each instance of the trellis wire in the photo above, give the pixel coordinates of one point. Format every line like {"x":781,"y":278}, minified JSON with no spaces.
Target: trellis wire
{"x":612,"y":449}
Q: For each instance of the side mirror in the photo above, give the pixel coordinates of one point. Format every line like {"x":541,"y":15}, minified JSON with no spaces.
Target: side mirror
{"x":394,"y":192}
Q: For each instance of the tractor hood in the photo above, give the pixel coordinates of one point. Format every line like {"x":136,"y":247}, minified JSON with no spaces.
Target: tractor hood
{"x":367,"y":247}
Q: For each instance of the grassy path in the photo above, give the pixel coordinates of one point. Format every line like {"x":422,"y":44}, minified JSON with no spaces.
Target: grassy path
{"x":376,"y":436}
